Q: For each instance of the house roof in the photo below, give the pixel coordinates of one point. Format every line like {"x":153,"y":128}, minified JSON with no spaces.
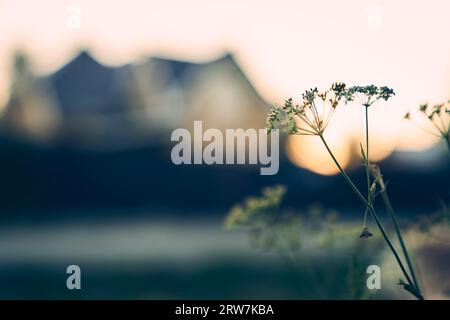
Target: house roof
{"x":179,"y":69}
{"x":86,"y":86}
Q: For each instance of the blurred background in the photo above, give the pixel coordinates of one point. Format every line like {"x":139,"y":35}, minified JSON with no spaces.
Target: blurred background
{"x":90,"y":93}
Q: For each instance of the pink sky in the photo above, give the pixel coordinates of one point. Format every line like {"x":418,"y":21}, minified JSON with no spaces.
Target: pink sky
{"x":283,"y":46}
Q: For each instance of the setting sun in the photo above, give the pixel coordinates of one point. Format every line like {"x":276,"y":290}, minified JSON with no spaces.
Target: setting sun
{"x":281,"y":58}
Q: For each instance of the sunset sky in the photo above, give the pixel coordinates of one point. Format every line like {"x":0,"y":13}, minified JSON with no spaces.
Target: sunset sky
{"x":283,"y":46}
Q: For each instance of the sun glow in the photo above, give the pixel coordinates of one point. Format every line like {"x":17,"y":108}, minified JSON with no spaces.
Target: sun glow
{"x":309,"y":153}
{"x":272,"y":55}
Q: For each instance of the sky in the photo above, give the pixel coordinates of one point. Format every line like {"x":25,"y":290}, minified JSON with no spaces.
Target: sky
{"x":283,"y":46}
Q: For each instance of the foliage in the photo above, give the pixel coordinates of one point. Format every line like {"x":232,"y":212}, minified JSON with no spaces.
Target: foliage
{"x":257,"y":211}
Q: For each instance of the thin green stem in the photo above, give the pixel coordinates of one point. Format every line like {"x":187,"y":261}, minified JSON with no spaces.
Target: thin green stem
{"x":372,"y":212}
{"x":447,"y":139}
{"x":366,"y":162}
{"x":367,"y":152}
{"x":388,"y":206}
{"x":390,"y":210}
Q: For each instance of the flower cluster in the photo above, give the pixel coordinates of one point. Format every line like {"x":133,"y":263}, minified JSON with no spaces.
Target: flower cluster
{"x":438,"y":118}
{"x":279,"y":118}
{"x":313,"y":114}
{"x":368,"y":95}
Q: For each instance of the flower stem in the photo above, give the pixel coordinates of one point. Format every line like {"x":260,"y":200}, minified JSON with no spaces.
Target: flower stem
{"x":372,"y":212}
{"x":447,"y":139}
{"x":390,"y":210}
{"x":366,"y":164}
{"x":388,"y":206}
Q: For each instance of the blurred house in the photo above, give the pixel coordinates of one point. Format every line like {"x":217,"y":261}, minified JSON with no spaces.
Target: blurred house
{"x":89,"y":104}
{"x":96,"y":136}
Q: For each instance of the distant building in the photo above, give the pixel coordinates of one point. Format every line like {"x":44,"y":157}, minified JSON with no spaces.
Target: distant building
{"x":88,"y":104}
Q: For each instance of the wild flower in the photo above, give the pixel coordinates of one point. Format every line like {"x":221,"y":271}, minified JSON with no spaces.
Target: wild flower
{"x":313,"y":113}
{"x":368,"y":95}
{"x":288,"y":233}
{"x":312,"y":116}
{"x":437,"y":119}
{"x":365,"y":233}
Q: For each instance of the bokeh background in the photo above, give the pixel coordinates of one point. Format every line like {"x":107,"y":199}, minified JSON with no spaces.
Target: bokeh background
{"x":91,"y":91}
